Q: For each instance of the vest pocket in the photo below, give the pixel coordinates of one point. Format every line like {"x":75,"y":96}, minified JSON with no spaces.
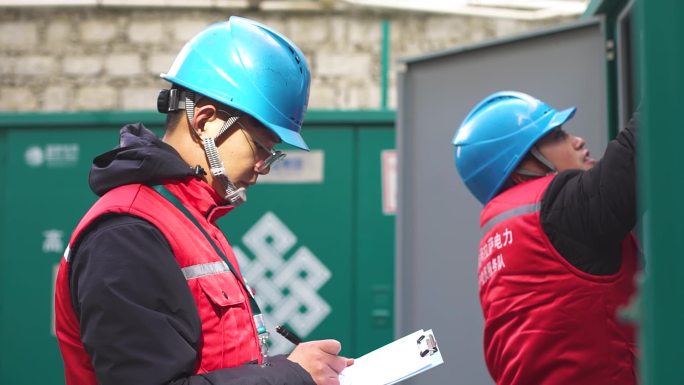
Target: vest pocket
{"x":222,"y":289}
{"x":225,"y":316}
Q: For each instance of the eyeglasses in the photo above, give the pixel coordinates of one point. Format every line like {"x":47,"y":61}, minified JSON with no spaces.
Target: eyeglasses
{"x":274,"y":156}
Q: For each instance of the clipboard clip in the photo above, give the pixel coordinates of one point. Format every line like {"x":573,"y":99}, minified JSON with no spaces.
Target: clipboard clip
{"x":427,"y":345}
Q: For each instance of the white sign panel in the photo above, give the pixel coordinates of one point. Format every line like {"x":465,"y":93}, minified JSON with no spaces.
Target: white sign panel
{"x":389,"y":182}
{"x":298,"y":167}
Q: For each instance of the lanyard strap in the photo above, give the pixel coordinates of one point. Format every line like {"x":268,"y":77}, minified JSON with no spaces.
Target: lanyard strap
{"x":256,"y":311}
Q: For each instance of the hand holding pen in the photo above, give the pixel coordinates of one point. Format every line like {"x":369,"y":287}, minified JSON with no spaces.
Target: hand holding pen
{"x":320,"y":358}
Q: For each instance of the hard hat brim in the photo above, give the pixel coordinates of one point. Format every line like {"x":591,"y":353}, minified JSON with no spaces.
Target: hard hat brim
{"x":288,"y":136}
{"x":561,"y":117}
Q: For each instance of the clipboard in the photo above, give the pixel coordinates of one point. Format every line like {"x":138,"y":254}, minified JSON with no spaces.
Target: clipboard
{"x":396,"y":361}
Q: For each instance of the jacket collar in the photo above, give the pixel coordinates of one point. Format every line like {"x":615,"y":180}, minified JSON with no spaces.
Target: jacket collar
{"x":200,"y":196}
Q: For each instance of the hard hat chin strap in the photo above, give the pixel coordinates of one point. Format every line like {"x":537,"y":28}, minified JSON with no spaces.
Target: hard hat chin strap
{"x":538,"y":155}
{"x":236,"y":196}
{"x":534,"y":151}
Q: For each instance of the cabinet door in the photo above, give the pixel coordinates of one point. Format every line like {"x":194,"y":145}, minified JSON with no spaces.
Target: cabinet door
{"x":294,"y":239}
{"x":374,"y":317}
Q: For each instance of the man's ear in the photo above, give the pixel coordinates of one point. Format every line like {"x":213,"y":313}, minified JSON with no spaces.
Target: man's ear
{"x":203,"y":115}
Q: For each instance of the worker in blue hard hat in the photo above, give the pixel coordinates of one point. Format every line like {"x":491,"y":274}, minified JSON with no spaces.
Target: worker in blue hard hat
{"x":557,"y":258}
{"x":149,"y":290}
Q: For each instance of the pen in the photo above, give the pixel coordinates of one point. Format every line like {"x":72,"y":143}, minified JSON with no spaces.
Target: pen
{"x":290,"y":336}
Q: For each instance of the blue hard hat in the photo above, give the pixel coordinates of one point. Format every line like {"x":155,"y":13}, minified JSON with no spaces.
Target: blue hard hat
{"x":252,"y":68}
{"x":497,"y":134}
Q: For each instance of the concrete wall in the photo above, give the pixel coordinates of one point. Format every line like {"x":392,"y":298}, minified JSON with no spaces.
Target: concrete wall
{"x":96,"y":58}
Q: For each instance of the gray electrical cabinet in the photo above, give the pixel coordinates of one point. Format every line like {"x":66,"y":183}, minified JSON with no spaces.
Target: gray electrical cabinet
{"x":437,"y":218}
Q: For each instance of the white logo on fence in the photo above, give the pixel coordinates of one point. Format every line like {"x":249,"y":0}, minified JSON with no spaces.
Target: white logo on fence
{"x":52,"y":155}
{"x":34,"y":156}
{"x":287,"y":289}
{"x":52,"y":241}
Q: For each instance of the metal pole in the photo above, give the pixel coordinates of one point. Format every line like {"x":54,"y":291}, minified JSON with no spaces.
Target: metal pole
{"x":385,"y":63}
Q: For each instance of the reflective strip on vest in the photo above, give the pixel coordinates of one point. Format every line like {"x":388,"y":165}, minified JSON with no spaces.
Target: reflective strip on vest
{"x":196,"y":271}
{"x":508,"y":214}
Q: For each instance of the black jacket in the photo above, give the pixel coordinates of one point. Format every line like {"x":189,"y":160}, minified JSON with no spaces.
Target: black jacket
{"x":156,"y":311}
{"x":587,"y":214}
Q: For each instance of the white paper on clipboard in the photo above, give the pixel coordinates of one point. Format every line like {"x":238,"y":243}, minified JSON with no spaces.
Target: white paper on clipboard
{"x":396,"y":361}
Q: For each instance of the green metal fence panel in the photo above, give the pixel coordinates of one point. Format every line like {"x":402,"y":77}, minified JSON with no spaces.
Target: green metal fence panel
{"x":3,"y":245}
{"x":374,"y":239}
{"x":342,"y":225}
{"x":297,"y":241}
{"x":45,"y":194}
{"x":304,"y":236}
{"x":661,"y":185}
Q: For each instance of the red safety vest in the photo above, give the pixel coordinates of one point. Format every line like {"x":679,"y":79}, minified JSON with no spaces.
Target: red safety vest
{"x":546,"y":322}
{"x":229,"y":337}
